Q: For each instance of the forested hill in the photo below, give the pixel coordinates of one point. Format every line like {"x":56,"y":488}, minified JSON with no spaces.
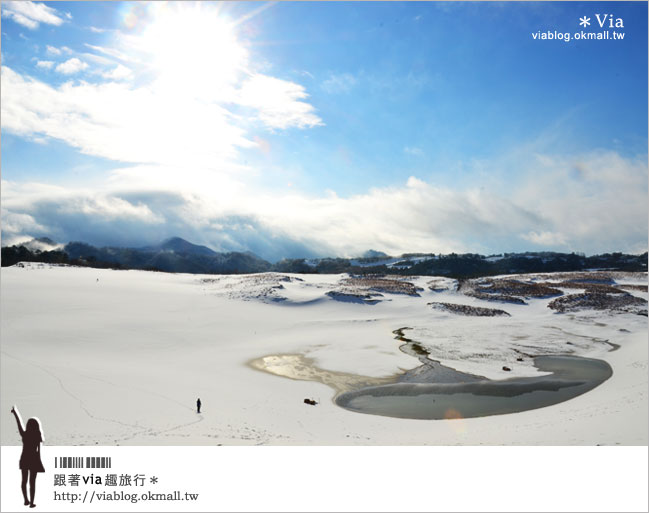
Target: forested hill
{"x":178,"y":255}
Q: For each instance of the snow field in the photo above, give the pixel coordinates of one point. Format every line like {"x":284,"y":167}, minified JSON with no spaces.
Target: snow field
{"x":119,"y":357}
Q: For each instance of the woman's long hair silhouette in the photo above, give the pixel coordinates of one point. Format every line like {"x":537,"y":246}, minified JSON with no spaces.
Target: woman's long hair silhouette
{"x":30,"y":458}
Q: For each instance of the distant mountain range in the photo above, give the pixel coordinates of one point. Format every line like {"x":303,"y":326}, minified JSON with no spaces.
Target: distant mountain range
{"x":177,"y":255}
{"x":174,"y":255}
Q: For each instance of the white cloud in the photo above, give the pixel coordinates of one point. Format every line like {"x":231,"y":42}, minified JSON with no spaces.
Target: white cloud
{"x":192,"y":102}
{"x":93,"y":211}
{"x":97,"y":59}
{"x":606,"y":213}
{"x":414,"y":151}
{"x":52,"y":50}
{"x":111,"y":52}
{"x":341,"y":83}
{"x":145,"y":124}
{"x":108,"y":208}
{"x":45,"y":64}
{"x":15,"y":224}
{"x":97,"y":30}
{"x":118,"y":73}
{"x":20,"y":19}
{"x":421,"y":217}
{"x":71,"y":66}
{"x":30,"y":14}
{"x":550,"y":239}
{"x":118,"y":122}
{"x":279,"y":102}
{"x":597,"y":199}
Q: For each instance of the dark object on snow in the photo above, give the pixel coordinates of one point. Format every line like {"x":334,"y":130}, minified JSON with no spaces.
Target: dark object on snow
{"x":310,"y":401}
{"x":519,"y":359}
{"x":198,"y":405}
{"x":506,"y":368}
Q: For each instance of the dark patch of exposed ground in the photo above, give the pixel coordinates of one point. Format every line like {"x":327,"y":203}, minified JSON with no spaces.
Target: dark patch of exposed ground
{"x":600,"y":290}
{"x":380,"y":284}
{"x":595,"y":300}
{"x":588,"y":286}
{"x":507,"y":290}
{"x":640,"y":288}
{"x":438,"y":285}
{"x":475,"y":311}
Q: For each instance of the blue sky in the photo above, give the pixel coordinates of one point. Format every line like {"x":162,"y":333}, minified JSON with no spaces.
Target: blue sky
{"x":317,"y":128}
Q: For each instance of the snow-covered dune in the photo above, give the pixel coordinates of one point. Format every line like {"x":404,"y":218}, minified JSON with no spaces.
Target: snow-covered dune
{"x":120,"y":357}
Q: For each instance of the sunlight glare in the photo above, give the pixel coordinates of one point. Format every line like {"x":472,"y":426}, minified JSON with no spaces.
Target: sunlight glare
{"x":194,"y":46}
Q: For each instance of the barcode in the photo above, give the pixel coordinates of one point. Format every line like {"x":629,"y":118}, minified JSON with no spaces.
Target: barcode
{"x":81,"y":462}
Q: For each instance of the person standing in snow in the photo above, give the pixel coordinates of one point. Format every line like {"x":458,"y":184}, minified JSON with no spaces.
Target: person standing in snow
{"x":30,"y":459}
{"x":198,"y":405}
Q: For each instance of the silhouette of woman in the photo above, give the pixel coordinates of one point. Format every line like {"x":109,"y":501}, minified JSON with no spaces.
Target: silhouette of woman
{"x":198,"y":405}
{"x":30,"y":459}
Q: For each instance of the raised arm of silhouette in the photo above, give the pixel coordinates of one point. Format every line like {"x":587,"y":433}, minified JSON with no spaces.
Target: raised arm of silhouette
{"x":30,"y":458}
{"x":18,"y":421}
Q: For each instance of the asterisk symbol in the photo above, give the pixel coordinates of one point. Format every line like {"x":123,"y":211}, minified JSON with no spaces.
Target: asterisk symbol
{"x":584,"y":21}
{"x":154,"y":480}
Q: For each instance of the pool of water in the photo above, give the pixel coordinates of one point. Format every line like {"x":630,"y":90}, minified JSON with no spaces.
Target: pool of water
{"x":571,"y":376}
{"x":434,"y":391}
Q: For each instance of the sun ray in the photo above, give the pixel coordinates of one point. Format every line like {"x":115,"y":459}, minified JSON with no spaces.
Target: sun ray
{"x":253,"y":13}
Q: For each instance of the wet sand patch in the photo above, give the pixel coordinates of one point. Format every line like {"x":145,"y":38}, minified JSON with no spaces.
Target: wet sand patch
{"x":303,"y":368}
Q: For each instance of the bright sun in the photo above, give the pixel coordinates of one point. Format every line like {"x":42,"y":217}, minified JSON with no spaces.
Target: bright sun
{"x":193,"y":44}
